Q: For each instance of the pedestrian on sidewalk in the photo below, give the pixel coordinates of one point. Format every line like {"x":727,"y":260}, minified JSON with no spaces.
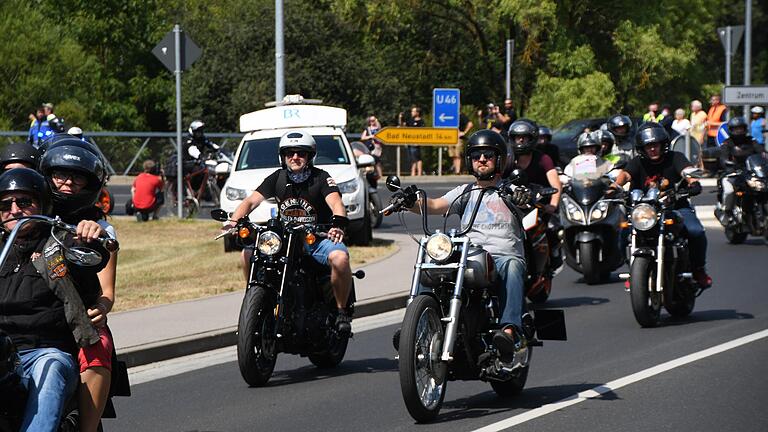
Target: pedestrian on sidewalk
{"x":368,"y":136}
{"x":757,"y":126}
{"x":414,"y":152}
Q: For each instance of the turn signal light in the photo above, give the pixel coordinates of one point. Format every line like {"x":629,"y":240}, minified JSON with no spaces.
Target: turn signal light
{"x":740,"y":193}
{"x":244,"y":232}
{"x":624,"y":224}
{"x":310,"y":239}
{"x":669,"y":221}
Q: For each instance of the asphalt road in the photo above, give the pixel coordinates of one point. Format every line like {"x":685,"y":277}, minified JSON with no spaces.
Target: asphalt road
{"x":607,"y":351}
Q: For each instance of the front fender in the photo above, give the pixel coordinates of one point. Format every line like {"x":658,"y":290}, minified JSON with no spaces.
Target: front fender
{"x":644,"y":252}
{"x":587,"y":237}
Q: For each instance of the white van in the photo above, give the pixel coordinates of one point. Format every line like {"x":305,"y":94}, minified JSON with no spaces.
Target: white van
{"x":257,"y":157}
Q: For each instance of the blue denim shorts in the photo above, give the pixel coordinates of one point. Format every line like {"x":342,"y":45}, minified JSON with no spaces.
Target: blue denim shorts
{"x":323,"y":248}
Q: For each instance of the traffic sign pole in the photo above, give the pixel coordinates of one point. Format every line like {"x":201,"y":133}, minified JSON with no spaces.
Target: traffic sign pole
{"x":177,"y":72}
{"x":747,"y":50}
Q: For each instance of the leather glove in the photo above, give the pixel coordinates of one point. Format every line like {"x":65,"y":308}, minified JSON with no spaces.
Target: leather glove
{"x":694,"y":188}
{"x":403,"y":199}
{"x":521,"y":197}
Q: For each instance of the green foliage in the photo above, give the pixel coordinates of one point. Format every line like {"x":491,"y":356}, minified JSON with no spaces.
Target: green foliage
{"x":558,"y":100}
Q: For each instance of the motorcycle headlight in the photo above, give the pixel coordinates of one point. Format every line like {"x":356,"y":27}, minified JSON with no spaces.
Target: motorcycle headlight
{"x":348,"y":187}
{"x":643,"y":217}
{"x":269,"y":243}
{"x":234,"y":194}
{"x":757,"y":184}
{"x":599,"y":211}
{"x":573,"y":211}
{"x":439,"y":247}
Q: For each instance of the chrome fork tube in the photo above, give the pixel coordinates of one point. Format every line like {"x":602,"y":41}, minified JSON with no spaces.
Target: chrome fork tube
{"x":660,"y":260}
{"x":417,"y":270}
{"x":453,"y":314}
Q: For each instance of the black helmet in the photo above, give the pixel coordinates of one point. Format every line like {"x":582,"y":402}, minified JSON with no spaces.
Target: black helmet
{"x":737,"y":130}
{"x":607,"y":140}
{"x":29,"y":181}
{"x":74,"y":155}
{"x":650,"y":133}
{"x":19,"y":152}
{"x":527,"y":129}
{"x":546,"y":134}
{"x":487,"y":139}
{"x":588,"y":139}
{"x":618,"y":121}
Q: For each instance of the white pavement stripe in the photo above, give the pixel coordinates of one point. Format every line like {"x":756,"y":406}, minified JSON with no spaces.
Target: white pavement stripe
{"x":621,"y":382}
{"x":154,"y":371}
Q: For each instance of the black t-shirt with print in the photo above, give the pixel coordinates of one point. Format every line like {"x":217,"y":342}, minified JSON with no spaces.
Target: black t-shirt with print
{"x":301,"y":202}
{"x":644,"y":172}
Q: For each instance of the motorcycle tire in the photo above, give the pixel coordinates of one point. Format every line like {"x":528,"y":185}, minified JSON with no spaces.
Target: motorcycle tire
{"x":256,"y":352}
{"x":590,"y":264}
{"x":422,"y":373}
{"x":734,"y":237}
{"x":334,"y":355}
{"x":683,"y":303}
{"x":513,"y":387}
{"x":374,"y":206}
{"x":215,"y":194}
{"x":642,"y":279}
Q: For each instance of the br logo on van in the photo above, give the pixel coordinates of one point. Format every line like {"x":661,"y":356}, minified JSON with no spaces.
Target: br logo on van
{"x":291,"y":113}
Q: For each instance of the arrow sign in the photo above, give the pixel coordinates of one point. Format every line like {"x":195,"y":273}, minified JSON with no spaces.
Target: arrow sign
{"x":722,"y":134}
{"x":418,"y":136}
{"x":445,"y":107}
{"x":165,"y":51}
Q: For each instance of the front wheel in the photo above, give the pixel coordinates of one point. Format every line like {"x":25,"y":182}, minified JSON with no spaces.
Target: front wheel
{"x":256,"y":352}
{"x":590,"y":264}
{"x":733,"y":236}
{"x":374,"y":208}
{"x":646,"y":302}
{"x":422,"y":373}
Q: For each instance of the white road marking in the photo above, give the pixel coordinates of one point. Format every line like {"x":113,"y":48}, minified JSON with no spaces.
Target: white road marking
{"x":621,"y":382}
{"x":154,"y":371}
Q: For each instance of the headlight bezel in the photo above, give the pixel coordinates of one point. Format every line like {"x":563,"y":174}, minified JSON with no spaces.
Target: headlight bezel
{"x":269,"y":243}
{"x":573,"y":211}
{"x":235,"y":194}
{"x":644,"y":217}
{"x":349,"y":187}
{"x":599,"y":211}
{"x":439,"y":247}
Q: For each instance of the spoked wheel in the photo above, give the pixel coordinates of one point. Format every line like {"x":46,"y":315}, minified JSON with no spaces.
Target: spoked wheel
{"x":735,"y":237}
{"x":514,"y":386}
{"x":422,"y":373}
{"x":646,"y":302}
{"x":256,"y":351}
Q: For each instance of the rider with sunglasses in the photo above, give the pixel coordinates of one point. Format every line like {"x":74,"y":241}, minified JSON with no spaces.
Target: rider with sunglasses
{"x":44,"y":327}
{"x":496,"y":228}
{"x":307,"y":194}
{"x":76,"y":173}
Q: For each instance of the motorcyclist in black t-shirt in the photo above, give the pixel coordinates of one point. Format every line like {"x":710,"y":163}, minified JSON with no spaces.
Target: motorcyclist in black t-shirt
{"x":733,"y":156}
{"x":545,"y":145}
{"x":307,"y":194}
{"x":653,"y":164}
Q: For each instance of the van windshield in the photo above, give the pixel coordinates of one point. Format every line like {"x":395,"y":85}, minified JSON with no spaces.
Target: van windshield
{"x":262,"y":153}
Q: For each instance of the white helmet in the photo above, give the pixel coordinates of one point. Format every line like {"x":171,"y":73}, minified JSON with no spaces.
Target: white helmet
{"x":298,"y":139}
{"x":196,"y":128}
{"x":757,"y":110}
{"x":75,"y":131}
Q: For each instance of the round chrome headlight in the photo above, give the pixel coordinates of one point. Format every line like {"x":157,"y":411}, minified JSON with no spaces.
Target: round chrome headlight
{"x":757,"y":184}
{"x":439,"y":247}
{"x":269,"y":243}
{"x":643,"y":217}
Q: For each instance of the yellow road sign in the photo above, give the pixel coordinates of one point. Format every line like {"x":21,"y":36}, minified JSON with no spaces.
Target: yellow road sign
{"x":418,"y":136}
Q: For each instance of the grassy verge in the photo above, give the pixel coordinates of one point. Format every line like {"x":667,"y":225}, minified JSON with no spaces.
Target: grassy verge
{"x":169,"y":260}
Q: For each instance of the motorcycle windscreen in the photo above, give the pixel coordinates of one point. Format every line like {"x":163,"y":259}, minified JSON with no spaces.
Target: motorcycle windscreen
{"x":758,"y":165}
{"x":550,"y":324}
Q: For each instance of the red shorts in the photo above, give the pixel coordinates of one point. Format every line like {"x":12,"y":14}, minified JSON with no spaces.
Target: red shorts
{"x":98,"y":354}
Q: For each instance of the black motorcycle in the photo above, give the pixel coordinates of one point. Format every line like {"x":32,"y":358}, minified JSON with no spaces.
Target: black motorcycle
{"x":13,"y":395}
{"x":452,"y":315}
{"x":289,"y":304}
{"x":660,"y":268}
{"x":591,"y":225}
{"x":750,"y":210}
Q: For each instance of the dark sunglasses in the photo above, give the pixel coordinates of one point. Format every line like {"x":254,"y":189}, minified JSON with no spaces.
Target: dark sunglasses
{"x":475,"y":155}
{"x":63,"y":176}
{"x":22,"y":203}
{"x":289,"y":153}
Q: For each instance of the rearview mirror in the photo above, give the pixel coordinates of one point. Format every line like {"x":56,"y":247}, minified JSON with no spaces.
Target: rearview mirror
{"x":219,"y":215}
{"x":518,"y":177}
{"x":393,"y":183}
{"x":365,"y":160}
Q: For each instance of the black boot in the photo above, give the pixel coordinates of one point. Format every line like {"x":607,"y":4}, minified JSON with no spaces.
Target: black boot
{"x":343,"y":323}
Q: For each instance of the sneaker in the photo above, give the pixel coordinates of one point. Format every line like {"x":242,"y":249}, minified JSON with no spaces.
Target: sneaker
{"x":343,"y":323}
{"x":702,"y":278}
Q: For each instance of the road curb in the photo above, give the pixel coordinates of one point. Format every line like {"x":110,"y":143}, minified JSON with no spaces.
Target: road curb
{"x":214,"y":339}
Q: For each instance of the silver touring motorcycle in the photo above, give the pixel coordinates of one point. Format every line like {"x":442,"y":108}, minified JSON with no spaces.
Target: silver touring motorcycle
{"x":452,"y":314}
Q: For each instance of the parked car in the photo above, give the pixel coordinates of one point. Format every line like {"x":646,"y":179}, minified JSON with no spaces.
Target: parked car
{"x":257,"y":157}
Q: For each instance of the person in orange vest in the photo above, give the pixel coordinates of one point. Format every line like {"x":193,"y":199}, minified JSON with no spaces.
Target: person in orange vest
{"x":715,"y":117}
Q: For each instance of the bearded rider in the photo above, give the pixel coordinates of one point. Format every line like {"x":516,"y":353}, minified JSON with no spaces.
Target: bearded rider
{"x":496,"y":229}
{"x":653,"y":164}
{"x":307,"y":194}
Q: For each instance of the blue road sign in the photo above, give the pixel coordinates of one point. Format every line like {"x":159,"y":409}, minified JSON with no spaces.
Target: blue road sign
{"x":722,"y":134}
{"x":445,"y":107}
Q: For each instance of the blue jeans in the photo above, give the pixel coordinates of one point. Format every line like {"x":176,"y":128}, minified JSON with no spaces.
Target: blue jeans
{"x":323,"y":248}
{"x":511,"y":270}
{"x":697,"y":238}
{"x":50,"y":377}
